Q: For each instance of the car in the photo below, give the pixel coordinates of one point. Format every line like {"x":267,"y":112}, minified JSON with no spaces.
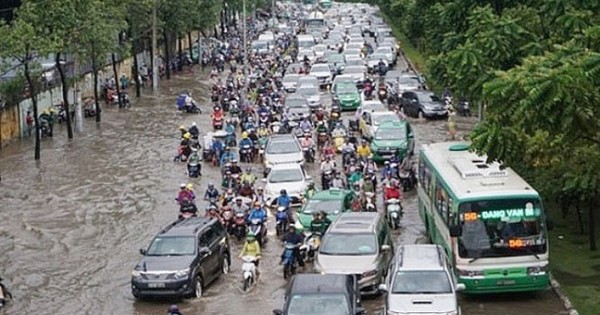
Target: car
{"x":319,"y":51}
{"x":393,"y":138}
{"x":260,"y":47}
{"x":308,"y":80}
{"x":421,"y":272}
{"x":336,"y":61}
{"x":342,"y":78}
{"x":290,"y":82}
{"x":358,"y":243}
{"x":373,"y":61}
{"x":388,"y":52}
{"x":308,"y":52}
{"x":346,"y":95}
{"x":298,"y":106}
{"x":182,"y":259}
{"x":370,"y":121}
{"x":355,"y":62}
{"x":422,"y":104}
{"x":403,"y":81}
{"x":391,"y":44}
{"x":349,"y":53}
{"x":333,"y":201}
{"x":289,"y":176}
{"x":281,"y":149}
{"x":322,"y":72}
{"x":312,"y":95}
{"x":358,"y":46}
{"x":294,"y":68}
{"x":359,"y":74}
{"x":317,"y":294}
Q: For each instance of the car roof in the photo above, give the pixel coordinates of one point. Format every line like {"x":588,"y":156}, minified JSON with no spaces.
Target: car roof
{"x":420,"y":257}
{"x":285,"y":166}
{"x":282,"y":137}
{"x":186,"y":227}
{"x":331,"y":194}
{"x":353,"y":222}
{"x":318,"y":283}
{"x":392,"y":124}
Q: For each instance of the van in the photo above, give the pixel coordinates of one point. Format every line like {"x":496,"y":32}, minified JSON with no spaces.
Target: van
{"x":306,"y":41}
{"x":358,"y":243}
{"x":268,"y":37}
{"x":420,"y":281}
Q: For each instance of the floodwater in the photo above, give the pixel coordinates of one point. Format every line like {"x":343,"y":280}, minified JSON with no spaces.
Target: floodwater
{"x":71,"y":225}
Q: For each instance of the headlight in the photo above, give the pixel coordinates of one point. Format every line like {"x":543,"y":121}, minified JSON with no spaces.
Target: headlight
{"x":136,"y":274}
{"x":182,"y":273}
{"x":537,"y":270}
{"x":470,"y":273}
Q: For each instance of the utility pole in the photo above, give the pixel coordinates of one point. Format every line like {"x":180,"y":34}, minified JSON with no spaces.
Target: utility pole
{"x":245,"y":30}
{"x":154,"y":50}
{"x":273,"y":14}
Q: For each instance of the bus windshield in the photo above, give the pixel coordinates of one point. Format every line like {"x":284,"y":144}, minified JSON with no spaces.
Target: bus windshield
{"x":498,"y":228}
{"x":315,"y":23}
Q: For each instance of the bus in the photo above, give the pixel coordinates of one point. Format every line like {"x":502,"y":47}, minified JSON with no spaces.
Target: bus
{"x":315,"y":21}
{"x":489,"y":220}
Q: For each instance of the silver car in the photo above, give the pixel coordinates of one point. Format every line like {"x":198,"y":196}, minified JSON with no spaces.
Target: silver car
{"x":282,"y":149}
{"x":357,"y":243}
{"x":290,"y":82}
{"x":312,"y":95}
{"x":298,"y":107}
{"x":420,"y":281}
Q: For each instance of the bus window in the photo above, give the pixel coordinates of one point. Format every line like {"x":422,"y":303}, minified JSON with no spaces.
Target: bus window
{"x":425,"y":176}
{"x":441,"y":202}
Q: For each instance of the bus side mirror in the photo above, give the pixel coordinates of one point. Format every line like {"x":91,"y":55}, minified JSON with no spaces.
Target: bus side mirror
{"x":455,"y":231}
{"x":549,"y":224}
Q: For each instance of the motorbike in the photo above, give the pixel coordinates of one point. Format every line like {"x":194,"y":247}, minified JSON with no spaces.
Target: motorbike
{"x":309,"y":154}
{"x":281,"y":221}
{"x":187,"y":215}
{"x":5,"y":295}
{"x":89,"y":109}
{"x":239,"y":225}
{"x":312,"y":241}
{"x":322,"y":138}
{"x":193,"y":169}
{"x":338,"y":143}
{"x":463,"y":108}
{"x":256,"y":227}
{"x":217,"y":123}
{"x":246,"y":153}
{"x":262,"y":143}
{"x":248,"y":272}
{"x":227,"y":215}
{"x":408,"y":179}
{"x":45,"y":129}
{"x":290,"y":261}
{"x":383,"y":95}
{"x":182,"y":153}
{"x":370,"y":202}
{"x":393,"y":212}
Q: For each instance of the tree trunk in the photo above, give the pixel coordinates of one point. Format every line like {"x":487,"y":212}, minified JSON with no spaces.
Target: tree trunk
{"x":592,"y":224}
{"x":95,"y":75}
{"x":150,"y":77}
{"x":117,"y":85}
{"x":65,"y":94}
{"x":179,"y":53}
{"x":579,"y":217}
{"x":167,"y":55}
{"x":33,"y":95}
{"x":191,"y":46}
{"x":136,"y":72}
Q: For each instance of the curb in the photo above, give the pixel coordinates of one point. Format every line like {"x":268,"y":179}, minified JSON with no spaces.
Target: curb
{"x":562,"y":296}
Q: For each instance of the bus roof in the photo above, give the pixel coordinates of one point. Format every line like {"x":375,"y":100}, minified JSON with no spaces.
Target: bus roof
{"x":469,"y":176}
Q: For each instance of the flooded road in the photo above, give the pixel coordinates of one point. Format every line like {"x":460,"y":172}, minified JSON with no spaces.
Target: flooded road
{"x":71,"y":225}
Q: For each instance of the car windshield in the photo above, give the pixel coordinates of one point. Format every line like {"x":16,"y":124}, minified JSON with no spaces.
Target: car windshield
{"x":259,"y":45}
{"x":421,"y":282}
{"x":377,"y":57}
{"x":319,"y":48}
{"x":172,"y":246}
{"x":355,"y":62}
{"x":331,"y":206}
{"x":308,"y":90}
{"x":498,"y":228}
{"x":291,"y":78}
{"x":427,"y":98}
{"x":282,"y":147}
{"x":348,"y":244}
{"x":391,"y":133}
{"x":346,"y":89}
{"x":354,"y":70}
{"x":310,"y":304}
{"x":295,"y":102}
{"x":320,"y":68}
{"x":383,"y":50}
{"x":307,"y":53}
{"x":351,"y":52}
{"x":285,"y":176}
{"x":378,"y":119}
{"x":335,"y":58}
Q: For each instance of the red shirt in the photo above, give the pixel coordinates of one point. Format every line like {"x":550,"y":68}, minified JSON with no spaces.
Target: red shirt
{"x":392,"y":193}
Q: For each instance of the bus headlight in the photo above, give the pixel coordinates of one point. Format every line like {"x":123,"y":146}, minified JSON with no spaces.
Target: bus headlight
{"x":470,"y":273}
{"x":537,"y":270}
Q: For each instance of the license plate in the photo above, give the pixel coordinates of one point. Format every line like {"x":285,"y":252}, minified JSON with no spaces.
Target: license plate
{"x":156,"y":285}
{"x":505,"y":282}
{"x":386,"y":156}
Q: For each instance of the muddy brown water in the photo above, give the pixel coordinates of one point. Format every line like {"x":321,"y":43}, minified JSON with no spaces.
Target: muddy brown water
{"x":71,"y":225}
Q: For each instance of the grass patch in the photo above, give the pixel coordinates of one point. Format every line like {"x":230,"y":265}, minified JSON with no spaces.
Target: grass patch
{"x":411,"y":52}
{"x":575,"y":266}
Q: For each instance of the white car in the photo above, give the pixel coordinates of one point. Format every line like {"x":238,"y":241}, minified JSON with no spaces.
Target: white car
{"x":282,"y":149}
{"x":358,"y":73}
{"x":290,"y":82}
{"x":312,"y":95}
{"x":373,"y":62}
{"x":388,"y":52}
{"x":352,"y":53}
{"x":308,"y":80}
{"x":322,"y":72}
{"x":291,"y":177}
{"x":319,"y":51}
{"x":370,"y":121}
{"x":308,"y":53}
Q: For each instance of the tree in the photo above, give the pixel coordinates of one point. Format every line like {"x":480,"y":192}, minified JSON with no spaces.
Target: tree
{"x":21,"y":42}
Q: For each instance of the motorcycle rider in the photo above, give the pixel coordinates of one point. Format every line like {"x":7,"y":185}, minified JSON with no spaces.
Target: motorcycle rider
{"x":338,"y":131}
{"x":228,"y":181}
{"x":246,"y":142}
{"x":211,"y":212}
{"x":194,"y":131}
{"x":188,"y":207}
{"x":338,"y":181}
{"x":240,"y":206}
{"x":183,"y":129}
{"x":308,"y":143}
{"x":227,"y":156}
{"x":194,"y":158}
{"x":317,"y":225}
{"x":227,"y":197}
{"x":235,"y":168}
{"x":259,"y":213}
{"x":310,"y":190}
{"x":251,"y":248}
{"x":173,"y":310}
{"x":363,"y":150}
{"x":211,"y":192}
{"x":190,"y":188}
{"x":217,"y":148}
{"x":285,"y":201}
{"x":381,"y":67}
{"x":291,"y":237}
{"x":263,"y":131}
{"x":184,"y":194}
{"x":259,"y":196}
{"x":388,"y":170}
{"x":327,"y":165}
{"x":306,"y":125}
{"x":391,"y":191}
{"x":370,"y":166}
{"x":388,"y":180}
{"x":248,"y":177}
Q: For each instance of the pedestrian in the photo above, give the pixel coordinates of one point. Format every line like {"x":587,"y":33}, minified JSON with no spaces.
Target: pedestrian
{"x":451,"y":123}
{"x":29,"y":123}
{"x":124,"y":81}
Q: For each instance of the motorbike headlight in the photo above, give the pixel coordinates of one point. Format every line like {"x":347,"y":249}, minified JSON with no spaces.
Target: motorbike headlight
{"x":182,"y":273}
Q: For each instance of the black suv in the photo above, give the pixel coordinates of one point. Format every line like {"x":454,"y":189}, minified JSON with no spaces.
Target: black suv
{"x":182,"y":259}
{"x":318,"y":294}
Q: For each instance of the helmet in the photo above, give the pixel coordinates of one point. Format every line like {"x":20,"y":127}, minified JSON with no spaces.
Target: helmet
{"x":187,"y":135}
{"x":250,"y":236}
{"x":194,"y":124}
{"x":190,"y":186}
{"x":335,"y":115}
{"x":311,"y":184}
{"x":211,"y":185}
{"x":244,"y":135}
{"x":283,"y":192}
{"x":182,"y":186}
{"x":259,"y":189}
{"x":173,"y":308}
{"x":182,"y":127}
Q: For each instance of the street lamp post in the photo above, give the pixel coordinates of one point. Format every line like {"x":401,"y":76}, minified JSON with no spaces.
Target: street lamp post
{"x":245,"y":51}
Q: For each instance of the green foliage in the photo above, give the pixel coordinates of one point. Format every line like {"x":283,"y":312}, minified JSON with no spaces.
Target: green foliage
{"x":11,"y":91}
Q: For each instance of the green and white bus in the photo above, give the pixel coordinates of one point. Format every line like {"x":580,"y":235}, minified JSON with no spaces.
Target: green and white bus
{"x":489,"y":220}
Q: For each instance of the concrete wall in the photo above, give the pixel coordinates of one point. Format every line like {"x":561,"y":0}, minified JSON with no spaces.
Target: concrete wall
{"x":9,"y":124}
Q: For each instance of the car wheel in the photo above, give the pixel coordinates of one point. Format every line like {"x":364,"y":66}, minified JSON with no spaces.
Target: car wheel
{"x":198,"y":287}
{"x":225,"y":266}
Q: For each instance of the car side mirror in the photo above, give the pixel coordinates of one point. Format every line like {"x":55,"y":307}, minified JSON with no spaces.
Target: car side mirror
{"x":204,"y":251}
{"x":460,"y":287}
{"x":385,"y":248}
{"x":277,"y":312}
{"x":549,"y":224}
{"x":455,"y":231}
{"x":361,"y":310}
{"x":308,"y":177}
{"x":143,"y":251}
{"x":383,"y":287}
